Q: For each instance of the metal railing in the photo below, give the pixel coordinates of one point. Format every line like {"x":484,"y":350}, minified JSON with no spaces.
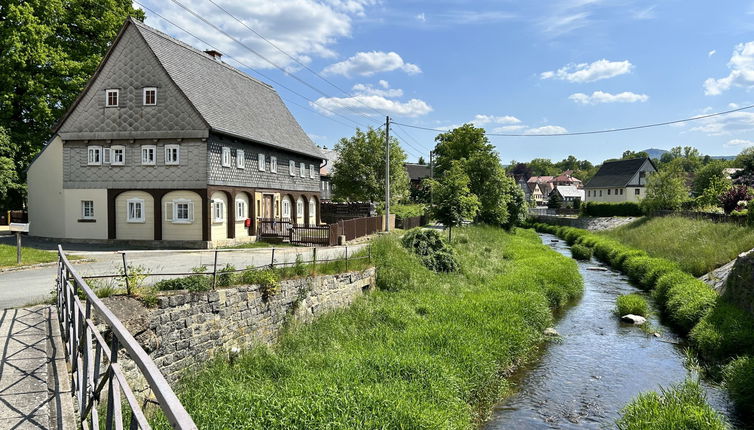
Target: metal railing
{"x":95,"y":370}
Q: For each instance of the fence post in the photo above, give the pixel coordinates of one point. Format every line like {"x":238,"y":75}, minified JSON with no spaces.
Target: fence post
{"x":315,"y":258}
{"x":272,"y":260}
{"x":346,"y":258}
{"x":125,"y":273}
{"x":369,"y":248}
{"x":214,"y":272}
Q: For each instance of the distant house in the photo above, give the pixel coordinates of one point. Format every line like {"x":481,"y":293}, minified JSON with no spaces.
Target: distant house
{"x":417,"y":173}
{"x":566,"y":179}
{"x":620,"y":181}
{"x":545,"y":184}
{"x":537,"y":196}
{"x":325,"y":173}
{"x":569,"y":193}
{"x":525,"y":188}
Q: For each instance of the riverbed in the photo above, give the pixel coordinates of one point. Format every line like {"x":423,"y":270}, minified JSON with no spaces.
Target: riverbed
{"x":599,"y":364}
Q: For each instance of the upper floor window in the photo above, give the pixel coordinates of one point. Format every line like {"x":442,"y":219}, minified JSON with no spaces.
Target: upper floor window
{"x":608,"y":191}
{"x":292,"y":168}
{"x":148,"y":155}
{"x":637,"y":191}
{"x":87,"y":209}
{"x":240,"y":159}
{"x":150,"y":96}
{"x":117,"y":155}
{"x":273,"y":164}
{"x":311,"y":171}
{"x":172,"y":154}
{"x":260,"y":162}
{"x":226,"y":156}
{"x":106,"y":155}
{"x":111,"y":98}
{"x":94,"y":155}
{"x":135,"y":210}
{"x":302,"y":169}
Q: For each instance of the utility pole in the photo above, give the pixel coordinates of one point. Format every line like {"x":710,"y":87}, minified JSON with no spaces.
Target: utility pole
{"x":387,"y":173}
{"x":431,"y":176}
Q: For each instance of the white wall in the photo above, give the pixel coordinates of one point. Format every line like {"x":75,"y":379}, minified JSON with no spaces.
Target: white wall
{"x":45,"y":186}
{"x":134,"y":230}
{"x":241,"y":230}
{"x":76,"y":229}
{"x":219,"y":230}
{"x":627,"y":196}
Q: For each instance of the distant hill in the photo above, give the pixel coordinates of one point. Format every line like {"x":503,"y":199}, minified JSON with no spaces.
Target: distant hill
{"x":657,"y":153}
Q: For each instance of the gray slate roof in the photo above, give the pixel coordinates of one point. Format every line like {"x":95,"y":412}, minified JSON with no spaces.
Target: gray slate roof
{"x":615,"y":173}
{"x":417,"y":171}
{"x":230,"y":101}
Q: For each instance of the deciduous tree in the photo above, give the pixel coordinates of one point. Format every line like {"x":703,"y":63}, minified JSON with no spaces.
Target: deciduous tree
{"x":666,"y":190}
{"x":454,"y":201}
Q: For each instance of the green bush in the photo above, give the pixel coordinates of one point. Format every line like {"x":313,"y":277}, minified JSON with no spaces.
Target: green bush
{"x":739,"y":380}
{"x":683,"y":406}
{"x":725,"y":331}
{"x":267,"y":279}
{"x":667,"y":281}
{"x":631,"y":304}
{"x":192,"y":283}
{"x":611,"y":209}
{"x":226,"y":276}
{"x":581,"y":252}
{"x":688,"y":302}
{"x":407,"y":211}
{"x":432,"y":250}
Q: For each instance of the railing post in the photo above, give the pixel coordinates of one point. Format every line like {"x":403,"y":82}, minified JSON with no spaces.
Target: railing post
{"x":112,"y":410}
{"x":314,"y":250}
{"x":214,"y":272}
{"x":125,"y":273}
{"x":346,"y":258}
{"x":272,"y":260}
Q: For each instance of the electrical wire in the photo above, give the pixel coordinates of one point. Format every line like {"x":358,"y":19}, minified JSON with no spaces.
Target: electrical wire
{"x":611,"y":130}
{"x":405,"y":131}
{"x":402,"y":137}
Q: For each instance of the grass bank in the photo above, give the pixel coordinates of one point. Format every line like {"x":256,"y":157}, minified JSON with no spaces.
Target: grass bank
{"x":718,"y":330}
{"x":425,"y":350}
{"x":697,"y":246}
{"x":28,"y":256}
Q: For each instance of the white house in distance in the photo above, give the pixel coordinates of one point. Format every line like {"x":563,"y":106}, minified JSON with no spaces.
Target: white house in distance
{"x":569,"y":194}
{"x":620,"y":181}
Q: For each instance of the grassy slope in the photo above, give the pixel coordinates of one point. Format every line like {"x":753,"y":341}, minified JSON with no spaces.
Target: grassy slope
{"x":28,"y":256}
{"x":424,"y":351}
{"x":698,"y":246}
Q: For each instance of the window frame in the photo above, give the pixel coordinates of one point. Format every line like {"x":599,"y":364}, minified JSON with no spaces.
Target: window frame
{"x":113,"y":150}
{"x":189,"y":211}
{"x":145,"y":90}
{"x":637,"y":191}
{"x":93,"y":149}
{"x":240,"y":159}
{"x":168,"y":149}
{"x":273,"y":164}
{"x":311,"y":171}
{"x":135,"y":220}
{"x":261,"y":160}
{"x":84,"y":214}
{"x":292,"y":167}
{"x":109,"y":91}
{"x":225,"y":156}
{"x":241,"y":212}
{"x":302,"y":169}
{"x":218,"y":207}
{"x":153,"y":148}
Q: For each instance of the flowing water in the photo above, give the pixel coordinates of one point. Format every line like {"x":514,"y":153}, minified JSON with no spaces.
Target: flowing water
{"x":599,"y":365}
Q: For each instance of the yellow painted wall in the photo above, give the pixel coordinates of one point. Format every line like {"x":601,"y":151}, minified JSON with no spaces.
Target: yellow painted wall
{"x":241,"y":230}
{"x":182,"y":231}
{"x":129,"y":230}
{"x":219,"y":230}
{"x":72,"y":214}
{"x":45,"y":186}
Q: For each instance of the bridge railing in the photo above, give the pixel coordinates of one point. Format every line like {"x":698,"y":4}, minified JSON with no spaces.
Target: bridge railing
{"x":95,"y":371}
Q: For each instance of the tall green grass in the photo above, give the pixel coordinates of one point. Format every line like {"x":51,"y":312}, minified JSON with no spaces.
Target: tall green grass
{"x":697,"y":246}
{"x":424,"y":350}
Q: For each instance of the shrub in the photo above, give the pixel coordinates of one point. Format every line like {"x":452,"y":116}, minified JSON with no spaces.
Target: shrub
{"x":667,"y":281}
{"x":631,"y":304}
{"x":729,"y":200}
{"x":226,"y":276}
{"x":611,"y":209}
{"x":739,"y":380}
{"x":432,"y":250}
{"x":581,"y":252}
{"x":725,"y":331}
{"x":192,"y":283}
{"x":688,"y":302}
{"x":683,"y":406}
{"x":267,"y":279}
{"x":406,"y":211}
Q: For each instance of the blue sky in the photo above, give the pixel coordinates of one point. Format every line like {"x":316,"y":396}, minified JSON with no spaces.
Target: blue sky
{"x":526,"y":67}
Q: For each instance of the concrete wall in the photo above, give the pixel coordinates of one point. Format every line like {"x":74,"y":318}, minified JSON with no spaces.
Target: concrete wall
{"x":78,"y":228}
{"x":45,"y":182}
{"x":125,"y":230}
{"x":188,"y":329}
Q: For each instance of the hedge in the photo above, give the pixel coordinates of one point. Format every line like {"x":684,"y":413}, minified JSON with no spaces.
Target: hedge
{"x":611,"y":209}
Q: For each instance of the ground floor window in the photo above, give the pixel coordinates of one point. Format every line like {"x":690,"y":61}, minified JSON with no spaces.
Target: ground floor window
{"x":182,"y":211}
{"x":218,"y":211}
{"x":240,"y":210}
{"x":135,"y":210}
{"x":87,"y":209}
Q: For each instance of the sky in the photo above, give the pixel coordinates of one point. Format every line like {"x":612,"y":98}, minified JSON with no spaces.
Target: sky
{"x":513,"y":67}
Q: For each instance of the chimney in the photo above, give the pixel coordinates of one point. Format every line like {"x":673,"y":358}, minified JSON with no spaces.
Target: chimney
{"x":214,"y":54}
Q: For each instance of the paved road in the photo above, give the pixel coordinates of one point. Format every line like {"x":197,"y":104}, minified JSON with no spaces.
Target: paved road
{"x":22,"y":287}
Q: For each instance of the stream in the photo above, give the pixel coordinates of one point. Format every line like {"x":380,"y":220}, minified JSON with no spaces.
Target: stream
{"x":600,"y":364}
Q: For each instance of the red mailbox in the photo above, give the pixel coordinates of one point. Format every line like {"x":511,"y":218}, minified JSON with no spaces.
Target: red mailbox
{"x":247,"y":223}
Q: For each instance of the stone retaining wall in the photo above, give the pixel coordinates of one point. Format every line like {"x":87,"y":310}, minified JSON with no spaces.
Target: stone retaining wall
{"x":187,"y":329}
{"x":587,"y":223}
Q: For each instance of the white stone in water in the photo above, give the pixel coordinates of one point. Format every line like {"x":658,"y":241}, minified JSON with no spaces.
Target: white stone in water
{"x":633,"y":319}
{"x":549,"y":331}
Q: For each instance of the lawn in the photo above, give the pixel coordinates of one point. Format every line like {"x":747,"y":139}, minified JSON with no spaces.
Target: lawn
{"x":28,"y":256}
{"x":424,"y":350}
{"x":698,"y":246}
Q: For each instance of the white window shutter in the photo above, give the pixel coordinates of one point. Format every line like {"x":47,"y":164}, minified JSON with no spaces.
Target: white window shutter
{"x":169,"y":211}
{"x":191,"y":211}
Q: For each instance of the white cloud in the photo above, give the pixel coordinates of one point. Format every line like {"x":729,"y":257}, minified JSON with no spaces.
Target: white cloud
{"x":735,"y":122}
{"x":366,"y":103}
{"x":369,"y":63}
{"x":547,"y":129}
{"x":598,"y":97}
{"x":585,"y":72}
{"x":480,"y":120}
{"x":741,"y":74}
{"x":369,"y":90}
{"x":421,"y":17}
{"x":711,"y":53}
{"x":303,"y":28}
{"x":647,"y":13}
{"x":739,"y":142}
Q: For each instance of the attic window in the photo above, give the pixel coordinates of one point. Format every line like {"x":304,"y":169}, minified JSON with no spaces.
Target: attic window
{"x":111,"y":98}
{"x":150,"y":96}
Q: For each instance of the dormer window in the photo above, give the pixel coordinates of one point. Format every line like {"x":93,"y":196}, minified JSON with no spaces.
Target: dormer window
{"x":111,"y":98}
{"x":150,"y":96}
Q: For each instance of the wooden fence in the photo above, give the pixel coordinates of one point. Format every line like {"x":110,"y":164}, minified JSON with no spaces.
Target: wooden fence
{"x":323,"y":235}
{"x":411,"y":222}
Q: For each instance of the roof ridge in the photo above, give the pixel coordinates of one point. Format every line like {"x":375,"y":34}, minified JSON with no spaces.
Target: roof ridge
{"x":196,"y":51}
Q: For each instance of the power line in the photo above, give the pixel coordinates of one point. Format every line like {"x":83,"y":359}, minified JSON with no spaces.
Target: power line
{"x":413,"y":138}
{"x":256,"y":71}
{"x":240,"y":21}
{"x":612,"y":130}
{"x":402,"y":138}
{"x":253,"y":51}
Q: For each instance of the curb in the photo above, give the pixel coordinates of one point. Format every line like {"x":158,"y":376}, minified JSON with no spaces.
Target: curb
{"x":41,"y":265}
